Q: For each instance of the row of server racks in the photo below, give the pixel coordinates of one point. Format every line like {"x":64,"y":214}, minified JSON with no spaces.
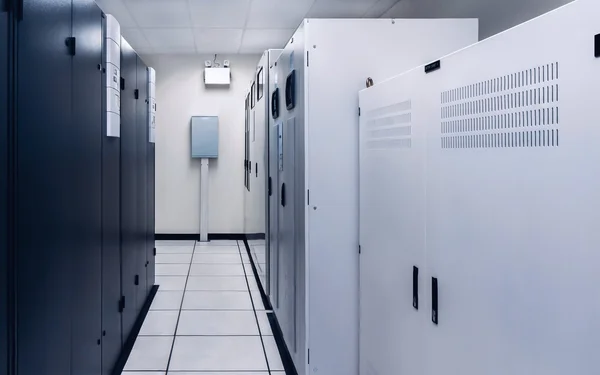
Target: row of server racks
{"x":76,"y":205}
{"x":302,"y":142}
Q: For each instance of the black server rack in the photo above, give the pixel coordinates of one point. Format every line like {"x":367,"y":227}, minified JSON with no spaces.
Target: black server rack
{"x":4,"y":121}
{"x":140,"y":173}
{"x":112,"y":339}
{"x":45,"y":235}
{"x":86,"y":187}
{"x":128,"y":198}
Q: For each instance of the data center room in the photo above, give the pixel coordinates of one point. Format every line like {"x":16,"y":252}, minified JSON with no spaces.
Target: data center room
{"x":295,"y":187}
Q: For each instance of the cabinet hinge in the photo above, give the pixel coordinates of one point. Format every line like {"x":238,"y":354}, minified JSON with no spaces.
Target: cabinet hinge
{"x":122,"y":83}
{"x":154,"y":252}
{"x":359,"y":111}
{"x":71,"y":43}
{"x":136,"y":93}
{"x":122,"y":304}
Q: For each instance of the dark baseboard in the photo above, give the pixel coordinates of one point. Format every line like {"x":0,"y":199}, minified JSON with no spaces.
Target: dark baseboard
{"x":255,"y":236}
{"x":176,"y":237}
{"x":286,"y":358}
{"x":196,"y":237}
{"x":118,"y":369}
{"x":225,"y":236}
{"x":284,"y":353}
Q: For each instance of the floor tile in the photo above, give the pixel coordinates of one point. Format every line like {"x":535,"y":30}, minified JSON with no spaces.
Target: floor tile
{"x":273,"y":357}
{"x":175,"y":243}
{"x":263,"y":323}
{"x":173,"y":258}
{"x":171,"y":282}
{"x":175,"y":249}
{"x":202,"y":300}
{"x":218,"y":353}
{"x":160,"y":323}
{"x":218,"y":243}
{"x":211,"y":258}
{"x":167,"y":300}
{"x":234,"y":283}
{"x":245,"y":257}
{"x":199,"y":269}
{"x":172,"y":269}
{"x":150,"y":353}
{"x":252,"y":283}
{"x":217,"y":249}
{"x":256,"y":298}
{"x":211,"y":323}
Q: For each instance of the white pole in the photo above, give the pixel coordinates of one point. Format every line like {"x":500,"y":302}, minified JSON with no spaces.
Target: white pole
{"x":203,"y":200}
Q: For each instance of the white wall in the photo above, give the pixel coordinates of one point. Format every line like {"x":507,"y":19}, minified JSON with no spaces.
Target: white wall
{"x":494,"y":15}
{"x":180,"y":94}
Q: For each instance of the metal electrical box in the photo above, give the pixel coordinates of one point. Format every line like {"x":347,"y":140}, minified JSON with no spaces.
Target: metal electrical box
{"x":318,"y":75}
{"x":479,"y":205}
{"x":205,"y":137}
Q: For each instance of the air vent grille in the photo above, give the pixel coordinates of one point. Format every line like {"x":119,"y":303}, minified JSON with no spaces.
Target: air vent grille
{"x":390,"y":127}
{"x":515,"y":110}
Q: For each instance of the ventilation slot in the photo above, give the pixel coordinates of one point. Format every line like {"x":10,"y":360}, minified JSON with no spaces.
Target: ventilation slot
{"x":389,"y":127}
{"x":515,"y":110}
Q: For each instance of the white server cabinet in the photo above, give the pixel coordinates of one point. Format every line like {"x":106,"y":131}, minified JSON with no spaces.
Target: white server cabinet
{"x":320,"y":72}
{"x":256,"y":202}
{"x":482,"y":173}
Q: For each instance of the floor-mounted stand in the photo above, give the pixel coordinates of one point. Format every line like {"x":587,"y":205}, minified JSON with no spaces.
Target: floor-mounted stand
{"x":204,"y":200}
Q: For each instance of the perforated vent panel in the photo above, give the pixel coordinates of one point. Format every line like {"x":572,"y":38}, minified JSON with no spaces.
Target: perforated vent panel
{"x":516,"y":110}
{"x":389,"y":127}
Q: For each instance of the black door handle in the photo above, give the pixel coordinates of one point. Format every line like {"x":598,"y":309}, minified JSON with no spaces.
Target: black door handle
{"x":416,"y":287}
{"x":283,"y":194}
{"x":434,"y":300}
{"x":269,"y":188}
{"x":256,"y":169}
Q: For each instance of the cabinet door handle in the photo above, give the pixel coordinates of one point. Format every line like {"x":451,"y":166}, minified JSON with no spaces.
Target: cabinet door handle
{"x":434,"y":300}
{"x":415,"y":287}
{"x":283,"y":194}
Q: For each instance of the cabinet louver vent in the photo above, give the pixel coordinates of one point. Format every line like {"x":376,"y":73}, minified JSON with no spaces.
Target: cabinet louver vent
{"x":516,"y":110}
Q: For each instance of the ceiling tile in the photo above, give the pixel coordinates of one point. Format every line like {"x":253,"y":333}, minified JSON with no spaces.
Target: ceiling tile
{"x":259,"y":40}
{"x":173,"y":38}
{"x":136,"y":38}
{"x":218,"y":40}
{"x":380,"y":8}
{"x":219,"y":13}
{"x":159,"y":13}
{"x":339,"y":8}
{"x":117,"y":9}
{"x":277,"y":14}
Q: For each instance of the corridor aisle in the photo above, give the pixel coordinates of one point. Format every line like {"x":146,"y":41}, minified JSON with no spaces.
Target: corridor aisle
{"x":207,"y":316}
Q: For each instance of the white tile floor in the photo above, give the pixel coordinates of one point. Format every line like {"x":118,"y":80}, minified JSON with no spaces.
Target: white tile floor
{"x":207,"y":317}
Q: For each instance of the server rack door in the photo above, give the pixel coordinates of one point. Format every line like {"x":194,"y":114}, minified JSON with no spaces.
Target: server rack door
{"x":44,"y":154}
{"x":273,"y":215}
{"x":128,"y":187}
{"x":111,"y":245}
{"x":4,"y":45}
{"x":86,"y":189}
{"x":286,"y":245}
{"x":142,"y":141}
